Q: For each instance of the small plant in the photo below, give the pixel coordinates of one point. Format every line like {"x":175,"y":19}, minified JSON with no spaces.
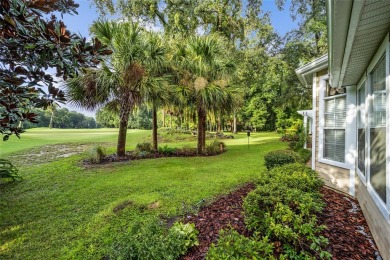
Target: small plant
{"x":8,"y":170}
{"x":144,"y":147}
{"x":96,"y":154}
{"x":141,"y":154}
{"x":166,"y":150}
{"x":280,"y":157}
{"x":215,"y":147}
{"x":151,"y":240}
{"x":232,"y":245}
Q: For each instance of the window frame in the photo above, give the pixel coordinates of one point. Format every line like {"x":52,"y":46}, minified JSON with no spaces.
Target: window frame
{"x":383,"y":50}
{"x":321,"y":141}
{"x":362,"y":83}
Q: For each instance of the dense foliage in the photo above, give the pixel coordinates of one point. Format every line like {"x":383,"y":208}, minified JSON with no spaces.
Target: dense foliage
{"x":31,"y":44}
{"x":151,"y":240}
{"x":283,"y":208}
{"x":280,"y":157}
{"x":232,"y":245}
{"x":61,"y":118}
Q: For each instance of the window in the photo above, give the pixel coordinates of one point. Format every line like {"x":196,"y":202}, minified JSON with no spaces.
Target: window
{"x":361,"y":97}
{"x":334,"y":127}
{"x":378,"y":129}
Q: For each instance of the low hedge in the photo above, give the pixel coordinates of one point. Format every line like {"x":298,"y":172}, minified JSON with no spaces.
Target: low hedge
{"x":280,"y":157}
{"x":283,"y":208}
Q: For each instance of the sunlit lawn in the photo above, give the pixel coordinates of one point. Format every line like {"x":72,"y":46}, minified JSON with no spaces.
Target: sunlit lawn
{"x":64,"y":210}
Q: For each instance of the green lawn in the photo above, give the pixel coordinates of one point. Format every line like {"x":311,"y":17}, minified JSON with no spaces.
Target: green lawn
{"x":63,"y":210}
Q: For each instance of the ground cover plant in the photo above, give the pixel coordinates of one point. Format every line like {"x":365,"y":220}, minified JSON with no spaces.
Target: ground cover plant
{"x":63,"y":210}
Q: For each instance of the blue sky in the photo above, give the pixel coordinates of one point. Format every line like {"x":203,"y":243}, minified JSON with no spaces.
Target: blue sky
{"x":281,"y":21}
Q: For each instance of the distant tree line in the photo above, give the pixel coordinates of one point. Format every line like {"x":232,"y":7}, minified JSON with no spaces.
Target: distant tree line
{"x":139,"y":119}
{"x":61,"y":118}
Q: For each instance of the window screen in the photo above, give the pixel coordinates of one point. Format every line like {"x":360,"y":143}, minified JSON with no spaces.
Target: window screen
{"x":361,"y":96}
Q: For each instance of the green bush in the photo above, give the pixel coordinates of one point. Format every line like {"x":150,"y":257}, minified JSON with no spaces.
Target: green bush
{"x":167,"y":150}
{"x":284,"y":207}
{"x":295,"y":176}
{"x":232,"y":245}
{"x":215,"y":147}
{"x":96,"y":154}
{"x":151,"y":240}
{"x":280,"y":157}
{"x":8,"y":170}
{"x":305,"y":155}
{"x":144,"y":147}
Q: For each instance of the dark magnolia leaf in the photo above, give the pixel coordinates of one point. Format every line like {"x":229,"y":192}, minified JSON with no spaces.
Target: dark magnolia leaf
{"x":21,"y":70}
{"x":5,"y":138}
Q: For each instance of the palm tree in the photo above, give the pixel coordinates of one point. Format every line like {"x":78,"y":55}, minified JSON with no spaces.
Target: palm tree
{"x":123,"y":80}
{"x":204,"y":68}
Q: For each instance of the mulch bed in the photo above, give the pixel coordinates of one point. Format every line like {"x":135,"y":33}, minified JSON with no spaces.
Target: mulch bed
{"x":348,"y":233}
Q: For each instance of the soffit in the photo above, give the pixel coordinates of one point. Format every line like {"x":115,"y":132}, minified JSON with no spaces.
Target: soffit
{"x":372,"y":27}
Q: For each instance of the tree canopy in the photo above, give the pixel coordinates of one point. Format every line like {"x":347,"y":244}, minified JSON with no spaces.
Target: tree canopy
{"x":29,"y":46}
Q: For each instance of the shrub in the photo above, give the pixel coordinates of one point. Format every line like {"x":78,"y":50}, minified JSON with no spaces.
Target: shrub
{"x":96,"y":154}
{"x":151,"y":240}
{"x":232,"y":245}
{"x":144,"y":147}
{"x":8,"y":170}
{"x":166,"y":150}
{"x":296,"y":176}
{"x":280,"y":157}
{"x":215,"y":147}
{"x":305,"y":155}
{"x":284,"y":206}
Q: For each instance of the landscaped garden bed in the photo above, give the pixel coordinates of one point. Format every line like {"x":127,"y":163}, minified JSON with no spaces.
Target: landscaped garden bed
{"x":347,"y":231}
{"x":145,"y":151}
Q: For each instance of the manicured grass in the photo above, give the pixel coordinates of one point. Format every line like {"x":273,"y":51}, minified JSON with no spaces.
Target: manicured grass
{"x":63,"y":210}
{"x":42,"y":136}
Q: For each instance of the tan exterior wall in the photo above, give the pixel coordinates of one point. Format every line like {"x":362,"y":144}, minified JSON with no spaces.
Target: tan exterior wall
{"x":334,"y":177}
{"x":379,"y":227}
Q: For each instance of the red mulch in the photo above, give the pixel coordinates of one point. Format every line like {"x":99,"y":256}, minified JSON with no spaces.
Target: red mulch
{"x":224,"y":213}
{"x":348,"y":233}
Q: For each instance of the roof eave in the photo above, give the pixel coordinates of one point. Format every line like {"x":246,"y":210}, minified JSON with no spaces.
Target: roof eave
{"x":305,"y":73}
{"x":338,"y":15}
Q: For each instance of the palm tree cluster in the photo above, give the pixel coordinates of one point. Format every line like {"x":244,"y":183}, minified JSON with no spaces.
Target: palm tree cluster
{"x":191,"y":75}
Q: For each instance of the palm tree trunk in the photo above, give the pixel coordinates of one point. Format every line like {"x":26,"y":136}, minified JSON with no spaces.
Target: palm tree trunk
{"x":163,"y":118}
{"x":219,"y":124}
{"x":201,"y":130}
{"x":124,"y":119}
{"x":51,"y":119}
{"x":154,"y":126}
{"x":235,"y":124}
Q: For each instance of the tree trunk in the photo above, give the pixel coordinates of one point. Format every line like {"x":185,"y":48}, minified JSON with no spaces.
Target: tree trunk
{"x":163,"y":118}
{"x":154,"y":126}
{"x":235,"y":124}
{"x":219,"y":124}
{"x":201,"y":130}
{"x":124,"y":119}
{"x":51,"y":120}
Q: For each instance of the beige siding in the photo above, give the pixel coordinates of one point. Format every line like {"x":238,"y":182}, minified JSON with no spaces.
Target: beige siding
{"x":334,"y":177}
{"x":379,"y":227}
